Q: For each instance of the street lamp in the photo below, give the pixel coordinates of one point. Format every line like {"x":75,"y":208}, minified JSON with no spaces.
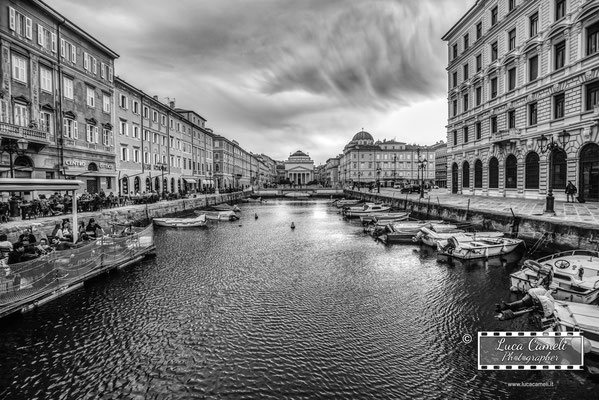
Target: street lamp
{"x":421,"y":166}
{"x":550,"y":146}
{"x":344,"y":177}
{"x":19,"y":148}
{"x":394,"y":167}
{"x":162,"y":169}
{"x":378,"y":179}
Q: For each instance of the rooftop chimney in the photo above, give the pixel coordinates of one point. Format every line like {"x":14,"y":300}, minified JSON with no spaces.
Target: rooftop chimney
{"x":171,"y":103}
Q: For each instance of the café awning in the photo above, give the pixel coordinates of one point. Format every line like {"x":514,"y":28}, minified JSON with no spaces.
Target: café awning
{"x":29,"y":185}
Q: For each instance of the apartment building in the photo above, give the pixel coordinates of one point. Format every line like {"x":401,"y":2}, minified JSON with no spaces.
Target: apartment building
{"x":523,"y":99}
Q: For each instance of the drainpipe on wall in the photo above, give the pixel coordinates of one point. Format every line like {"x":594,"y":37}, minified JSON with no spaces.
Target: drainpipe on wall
{"x":58,"y":120}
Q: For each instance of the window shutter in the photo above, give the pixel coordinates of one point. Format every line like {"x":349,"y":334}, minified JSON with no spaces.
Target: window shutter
{"x":28,"y":28}
{"x":40,"y":35}
{"x":102,"y":72}
{"x":110,"y":74}
{"x":111,"y":138}
{"x":94,"y":66}
{"x":85,"y":61}
{"x":74,"y":54}
{"x":53,"y":42}
{"x":75,"y":130}
{"x":96,"y":134}
{"x":11,"y":11}
{"x":65,"y":129}
{"x":62,"y":48}
{"x":126,"y":129}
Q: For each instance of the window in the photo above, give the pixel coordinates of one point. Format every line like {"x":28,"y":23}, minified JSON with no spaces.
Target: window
{"x":560,"y":9}
{"x":592,"y":93}
{"x":123,"y":128}
{"x":493,"y":173}
{"x":593,"y":38}
{"x":494,"y":124}
{"x":163,"y":120}
{"x":531,"y":171}
{"x":46,"y":124}
{"x":466,"y":175}
{"x":68,"y":51}
{"x":493,"y":16}
{"x":146,"y":112}
{"x":454,"y":51}
{"x":46,"y":79}
{"x":20,"y":24}
{"x":559,"y":169}
{"x":136,"y":131}
{"x":466,"y":102}
{"x":105,"y":103}
{"x":532,"y":114}
{"x":511,"y":4}
{"x":466,"y":41}
{"x":512,"y":39}
{"x":68,"y":88}
{"x":511,"y":78}
{"x":146,"y":137}
{"x":21,"y":114}
{"x":560,"y":55}
{"x":533,"y":68}
{"x":89,"y":63}
{"x":455,"y":138}
{"x":533,"y":21}
{"x":478,"y":174}
{"x":123,"y":101}
{"x":465,"y":71}
{"x":479,"y":30}
{"x":454,"y":78}
{"x":493,"y":87}
{"x":136,"y":107}
{"x":511,"y":119}
{"x":455,"y":107}
{"x":70,"y":128}
{"x":154,"y":116}
{"x":465,"y":134}
{"x":559,"y":101}
{"x":19,"y":68}
{"x":106,"y":137}
{"x":124,"y":153}
{"x":479,"y":95}
{"x":91,"y":97}
{"x":46,"y":39}
{"x":511,"y":172}
{"x":136,"y":156}
{"x":478,"y":130}
{"x":106,"y":72}
{"x":91,"y":133}
{"x":494,"y":51}
{"x":479,"y":62}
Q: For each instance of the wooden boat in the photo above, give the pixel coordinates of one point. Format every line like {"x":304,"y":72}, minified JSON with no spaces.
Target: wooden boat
{"x":570,"y":275}
{"x":366,"y":209}
{"x":225,"y":207}
{"x":431,"y":237}
{"x":404,"y":231}
{"x":181,"y":222}
{"x":384,"y":217}
{"x":577,"y":317}
{"x":218,"y":215}
{"x":479,"y":249}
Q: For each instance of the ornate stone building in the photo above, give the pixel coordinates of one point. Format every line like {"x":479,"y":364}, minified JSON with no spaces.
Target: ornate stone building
{"x":523,"y":98}
{"x":299,"y":168}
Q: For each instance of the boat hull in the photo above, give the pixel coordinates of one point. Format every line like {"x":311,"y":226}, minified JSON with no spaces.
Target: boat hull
{"x":180,"y":222}
{"x":477,"y":250}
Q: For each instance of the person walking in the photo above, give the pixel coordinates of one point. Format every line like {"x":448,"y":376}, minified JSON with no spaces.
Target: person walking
{"x":570,"y":191}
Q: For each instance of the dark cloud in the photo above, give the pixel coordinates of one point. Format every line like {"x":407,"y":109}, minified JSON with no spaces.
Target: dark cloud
{"x":279,"y":72}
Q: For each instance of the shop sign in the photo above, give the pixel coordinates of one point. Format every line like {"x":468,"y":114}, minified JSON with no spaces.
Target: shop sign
{"x":104,"y":166}
{"x":75,"y":163}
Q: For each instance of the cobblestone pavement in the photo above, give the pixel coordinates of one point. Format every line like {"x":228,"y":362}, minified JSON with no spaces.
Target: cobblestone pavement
{"x":587,"y":213}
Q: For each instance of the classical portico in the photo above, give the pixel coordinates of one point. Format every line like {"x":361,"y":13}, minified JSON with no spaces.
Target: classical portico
{"x":299,"y":168}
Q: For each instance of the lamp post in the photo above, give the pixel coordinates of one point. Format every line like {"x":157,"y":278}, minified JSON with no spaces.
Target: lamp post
{"x":394,"y":167}
{"x":421,"y":166}
{"x":378,"y":179}
{"x":344,"y":177}
{"x":19,"y":148}
{"x":551,"y":146}
{"x":162,"y":169}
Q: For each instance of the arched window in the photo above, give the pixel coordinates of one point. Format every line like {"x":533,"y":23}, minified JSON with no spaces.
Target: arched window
{"x":466,"y":174}
{"x":156,"y":183}
{"x":589,"y":172}
{"x":136,"y":185}
{"x":531,"y":179}
{"x":148,"y":184}
{"x":92,"y":167}
{"x":478,"y":174}
{"x":125,"y":185}
{"x":454,"y":178}
{"x":493,"y":173}
{"x":559,"y":169}
{"x":511,"y":172}
{"x":173,"y":185}
{"x":165,"y":185}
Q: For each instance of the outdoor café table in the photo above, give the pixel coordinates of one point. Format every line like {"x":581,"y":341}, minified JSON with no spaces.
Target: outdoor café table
{"x":85,"y":205}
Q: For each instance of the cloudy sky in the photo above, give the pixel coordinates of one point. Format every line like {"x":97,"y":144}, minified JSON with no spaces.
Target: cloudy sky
{"x":286,"y":75}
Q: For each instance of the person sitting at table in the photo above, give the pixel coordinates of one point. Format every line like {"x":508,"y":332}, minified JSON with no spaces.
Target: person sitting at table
{"x":43,"y":247}
{"x":17,"y":255}
{"x":59,"y":245}
{"x":27,"y":237}
{"x":93,"y":229}
{"x":67,"y":232}
{"x":81,"y":228}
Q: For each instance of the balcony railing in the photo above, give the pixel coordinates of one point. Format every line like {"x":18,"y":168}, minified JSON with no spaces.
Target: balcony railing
{"x":20,"y":132}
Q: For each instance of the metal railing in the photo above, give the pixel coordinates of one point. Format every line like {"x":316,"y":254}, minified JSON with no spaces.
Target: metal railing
{"x":19,"y":132}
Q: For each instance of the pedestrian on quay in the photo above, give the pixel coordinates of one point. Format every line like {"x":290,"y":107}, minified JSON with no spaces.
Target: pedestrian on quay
{"x":570,"y":191}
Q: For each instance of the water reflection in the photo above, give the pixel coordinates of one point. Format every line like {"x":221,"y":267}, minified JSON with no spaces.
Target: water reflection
{"x":252,"y":309}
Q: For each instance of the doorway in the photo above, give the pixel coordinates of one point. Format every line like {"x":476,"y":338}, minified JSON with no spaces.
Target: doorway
{"x":454,"y":178}
{"x":589,"y":172}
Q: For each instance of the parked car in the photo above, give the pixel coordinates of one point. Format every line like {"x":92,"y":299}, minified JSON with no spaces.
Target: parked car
{"x":410,"y":189}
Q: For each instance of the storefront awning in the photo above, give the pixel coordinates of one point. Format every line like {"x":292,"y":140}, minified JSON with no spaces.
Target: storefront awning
{"x":189,"y":181}
{"x":28,"y":185}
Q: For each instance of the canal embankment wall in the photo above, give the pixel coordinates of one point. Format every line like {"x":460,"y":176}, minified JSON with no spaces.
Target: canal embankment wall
{"x":131,"y":214}
{"x":558,"y":234}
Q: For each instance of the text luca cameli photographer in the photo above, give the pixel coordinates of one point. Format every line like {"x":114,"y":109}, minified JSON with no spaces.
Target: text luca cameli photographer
{"x":530,"y":350}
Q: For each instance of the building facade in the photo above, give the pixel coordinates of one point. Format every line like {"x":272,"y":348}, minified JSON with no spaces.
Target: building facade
{"x":441,"y":166}
{"x":299,"y":168}
{"x":523,"y":99}
{"x":56,"y":98}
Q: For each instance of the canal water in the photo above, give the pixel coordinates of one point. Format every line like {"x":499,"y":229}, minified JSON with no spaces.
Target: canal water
{"x":255,"y":310}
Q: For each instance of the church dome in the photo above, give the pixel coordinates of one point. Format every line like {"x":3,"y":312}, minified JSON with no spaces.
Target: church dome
{"x":299,"y":153}
{"x":363,"y":135}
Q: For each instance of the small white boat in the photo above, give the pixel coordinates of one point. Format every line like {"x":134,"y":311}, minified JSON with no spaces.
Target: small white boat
{"x":345,"y":203}
{"x":570,"y":275}
{"x":384,"y":217}
{"x":577,"y":317}
{"x":404,"y":231}
{"x":181,"y":222}
{"x":218,"y":215}
{"x":431,"y":237}
{"x":367,"y":209}
{"x":482,"y":248}
{"x":225,"y":207}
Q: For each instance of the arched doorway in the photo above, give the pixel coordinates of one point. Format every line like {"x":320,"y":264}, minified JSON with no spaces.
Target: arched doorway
{"x":125,"y":185}
{"x":164,"y":185}
{"x":531,"y":175}
{"x":136,"y":185}
{"x":157,"y":184}
{"x":148,"y":184}
{"x":172,"y":185}
{"x":559,"y":169}
{"x":179,"y":185}
{"x":454,"y":178}
{"x":478,"y":174}
{"x":511,"y":172}
{"x":23,"y":167}
{"x":589,"y":172}
{"x":466,"y":175}
{"x":493,"y":173}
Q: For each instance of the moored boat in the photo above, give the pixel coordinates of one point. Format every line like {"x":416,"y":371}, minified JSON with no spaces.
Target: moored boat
{"x":404,"y":231}
{"x":430,"y":237}
{"x":577,"y":317}
{"x":384,"y":217}
{"x":198,"y":221}
{"x":225,"y":207}
{"x":479,"y":249}
{"x":366,"y":209}
{"x":346,"y":203}
{"x":218,"y":215}
{"x":570,"y":275}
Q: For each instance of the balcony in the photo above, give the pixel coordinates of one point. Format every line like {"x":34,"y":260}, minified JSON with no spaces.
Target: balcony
{"x":505,"y":137}
{"x":36,"y":138}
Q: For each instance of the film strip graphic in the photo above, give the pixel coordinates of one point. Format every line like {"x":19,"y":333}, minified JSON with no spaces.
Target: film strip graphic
{"x":530,"y":351}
